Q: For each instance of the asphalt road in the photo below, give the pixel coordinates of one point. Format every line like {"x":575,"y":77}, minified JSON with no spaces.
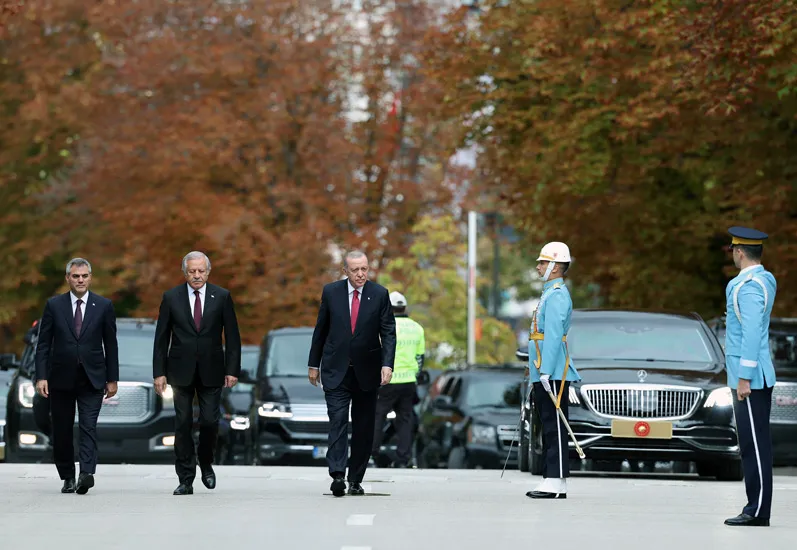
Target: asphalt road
{"x":285,"y":508}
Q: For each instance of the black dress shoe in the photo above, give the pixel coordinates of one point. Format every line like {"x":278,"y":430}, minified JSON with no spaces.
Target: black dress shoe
{"x":208,"y":477}
{"x":69,"y":485}
{"x":338,"y":487}
{"x":84,"y":483}
{"x":543,"y":494}
{"x":747,"y":521}
{"x":184,"y":489}
{"x":356,"y":489}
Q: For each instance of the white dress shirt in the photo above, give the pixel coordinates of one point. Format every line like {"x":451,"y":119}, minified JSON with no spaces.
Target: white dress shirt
{"x":192,"y":298}
{"x":351,"y":295}
{"x":74,"y":299}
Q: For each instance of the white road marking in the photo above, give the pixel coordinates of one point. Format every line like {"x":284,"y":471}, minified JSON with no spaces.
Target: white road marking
{"x":355,"y":548}
{"x":360,"y":519}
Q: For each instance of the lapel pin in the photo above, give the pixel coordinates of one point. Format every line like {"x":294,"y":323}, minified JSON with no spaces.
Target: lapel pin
{"x":212,"y":296}
{"x":93,"y":304}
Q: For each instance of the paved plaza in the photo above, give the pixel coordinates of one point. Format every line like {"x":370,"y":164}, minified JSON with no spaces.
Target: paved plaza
{"x":132,"y":508}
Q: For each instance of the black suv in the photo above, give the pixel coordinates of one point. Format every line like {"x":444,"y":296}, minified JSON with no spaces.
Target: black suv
{"x":136,"y":425}
{"x":469,"y":418}
{"x":289,"y":415}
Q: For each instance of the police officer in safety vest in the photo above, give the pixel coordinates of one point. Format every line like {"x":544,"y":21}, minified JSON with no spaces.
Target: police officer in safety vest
{"x":751,"y":374}
{"x":551,"y":369}
{"x":399,"y":395}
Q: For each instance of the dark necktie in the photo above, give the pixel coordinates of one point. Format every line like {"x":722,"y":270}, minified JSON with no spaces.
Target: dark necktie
{"x":197,"y":310}
{"x":78,"y":317}
{"x":355,"y":309}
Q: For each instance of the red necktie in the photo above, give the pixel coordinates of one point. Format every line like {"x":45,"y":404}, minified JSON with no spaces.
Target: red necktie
{"x":197,"y":310}
{"x":78,"y":317}
{"x":355,"y":309}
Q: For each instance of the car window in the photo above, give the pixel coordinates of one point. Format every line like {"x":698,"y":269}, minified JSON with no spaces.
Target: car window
{"x":493,"y":393}
{"x":455,"y":389}
{"x":287,"y":354}
{"x":783,"y":347}
{"x":643,"y":339}
{"x":249,"y":359}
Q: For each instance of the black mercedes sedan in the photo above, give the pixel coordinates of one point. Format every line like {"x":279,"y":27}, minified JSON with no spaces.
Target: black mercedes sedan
{"x":653,"y":388}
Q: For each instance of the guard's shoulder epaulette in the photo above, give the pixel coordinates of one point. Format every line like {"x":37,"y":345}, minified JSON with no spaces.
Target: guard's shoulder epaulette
{"x":557,"y":285}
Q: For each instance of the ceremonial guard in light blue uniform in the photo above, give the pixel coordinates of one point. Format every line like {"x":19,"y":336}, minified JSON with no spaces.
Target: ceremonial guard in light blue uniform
{"x":550,"y":368}
{"x":751,"y":375}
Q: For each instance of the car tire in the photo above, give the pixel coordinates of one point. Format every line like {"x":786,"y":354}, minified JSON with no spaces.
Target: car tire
{"x":729,"y":470}
{"x":523,"y":449}
{"x":535,"y":444}
{"x":457,"y":459}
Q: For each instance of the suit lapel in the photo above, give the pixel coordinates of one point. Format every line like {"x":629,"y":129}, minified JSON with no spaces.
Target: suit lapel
{"x":88,"y":313}
{"x":210,"y":303}
{"x":66,"y":309}
{"x":185,"y":299}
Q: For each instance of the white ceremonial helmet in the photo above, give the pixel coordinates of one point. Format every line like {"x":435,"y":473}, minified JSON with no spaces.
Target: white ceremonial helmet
{"x":553,"y":252}
{"x":397,"y":299}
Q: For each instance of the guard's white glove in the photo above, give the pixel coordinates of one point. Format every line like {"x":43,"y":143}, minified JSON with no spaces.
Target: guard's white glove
{"x":545,"y":380}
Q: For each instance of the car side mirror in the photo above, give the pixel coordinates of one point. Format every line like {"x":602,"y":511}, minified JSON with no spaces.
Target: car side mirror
{"x":246,"y":378}
{"x":423,"y":378}
{"x":443,"y":403}
{"x":522,"y":354}
{"x":8,"y":361}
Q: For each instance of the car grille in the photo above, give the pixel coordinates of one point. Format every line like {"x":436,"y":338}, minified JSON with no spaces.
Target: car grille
{"x":784,"y":403}
{"x":308,"y":419}
{"x":508,"y":436}
{"x":642,"y":400}
{"x":133,"y":403}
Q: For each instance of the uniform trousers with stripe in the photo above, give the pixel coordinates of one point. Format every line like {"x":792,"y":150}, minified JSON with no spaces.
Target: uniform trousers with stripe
{"x":755,"y":443}
{"x":555,"y":438}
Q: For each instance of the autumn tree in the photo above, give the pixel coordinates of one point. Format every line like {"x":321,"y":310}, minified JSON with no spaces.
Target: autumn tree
{"x":594,"y":128}
{"x":431,"y":277}
{"x":232,"y":128}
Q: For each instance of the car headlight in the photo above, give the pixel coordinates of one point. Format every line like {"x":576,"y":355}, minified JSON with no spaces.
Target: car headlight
{"x":168,"y":396}
{"x":721,"y":397}
{"x":274,"y":410}
{"x":240,"y":423}
{"x":481,"y":434}
{"x":25,"y":394}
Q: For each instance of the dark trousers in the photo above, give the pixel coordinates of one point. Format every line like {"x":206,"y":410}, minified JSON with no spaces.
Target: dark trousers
{"x":755,"y":443}
{"x":209,"y":400}
{"x":398,"y":398}
{"x":555,"y":438}
{"x":62,"y":406}
{"x":363,"y":415}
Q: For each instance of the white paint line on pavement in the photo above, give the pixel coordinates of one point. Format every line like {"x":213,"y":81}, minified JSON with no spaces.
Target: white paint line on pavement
{"x":360,"y":519}
{"x":355,"y":548}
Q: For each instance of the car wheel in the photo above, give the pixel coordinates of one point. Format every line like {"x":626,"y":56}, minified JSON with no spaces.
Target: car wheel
{"x":523,"y":451}
{"x":535,"y":444}
{"x":729,"y":470}
{"x":457,"y":459}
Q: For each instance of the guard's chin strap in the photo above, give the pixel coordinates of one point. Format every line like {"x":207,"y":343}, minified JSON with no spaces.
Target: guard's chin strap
{"x":548,"y":270}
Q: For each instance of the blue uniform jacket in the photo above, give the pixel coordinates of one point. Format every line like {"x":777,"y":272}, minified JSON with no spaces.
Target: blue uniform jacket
{"x":552,"y":318}
{"x":749,"y":298}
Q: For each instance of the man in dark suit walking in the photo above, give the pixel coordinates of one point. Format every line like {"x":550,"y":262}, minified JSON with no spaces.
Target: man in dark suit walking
{"x":353,"y":348}
{"x":77,"y":362}
{"x":189,"y":355}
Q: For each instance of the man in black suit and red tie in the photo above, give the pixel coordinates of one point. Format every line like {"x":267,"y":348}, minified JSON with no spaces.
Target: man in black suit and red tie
{"x":189,"y":355}
{"x":352,"y":351}
{"x":77,"y":363}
